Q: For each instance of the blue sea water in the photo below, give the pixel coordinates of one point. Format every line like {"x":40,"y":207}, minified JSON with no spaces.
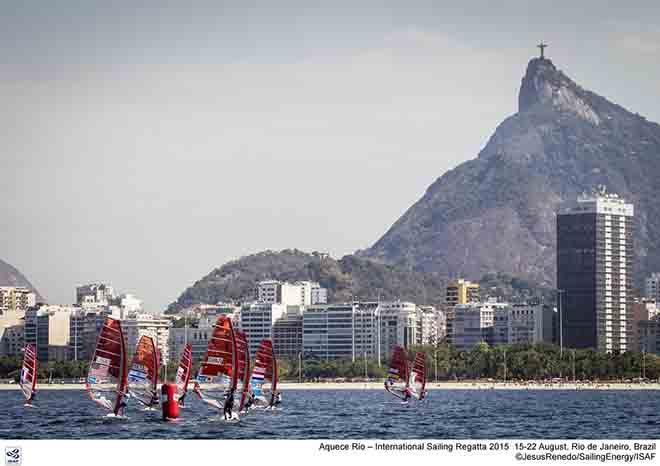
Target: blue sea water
{"x":360,"y":414}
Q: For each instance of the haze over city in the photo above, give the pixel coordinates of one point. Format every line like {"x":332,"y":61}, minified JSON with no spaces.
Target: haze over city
{"x":146,"y":146}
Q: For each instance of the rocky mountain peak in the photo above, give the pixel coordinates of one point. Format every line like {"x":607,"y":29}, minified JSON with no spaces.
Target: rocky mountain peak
{"x":546,"y":87}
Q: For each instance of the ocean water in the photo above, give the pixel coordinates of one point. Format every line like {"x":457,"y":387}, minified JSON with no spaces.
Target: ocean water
{"x":363,"y":414}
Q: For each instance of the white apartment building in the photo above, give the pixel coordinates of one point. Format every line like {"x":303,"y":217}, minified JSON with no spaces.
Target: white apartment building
{"x":360,"y":329}
{"x":301,"y":293}
{"x":48,"y":327}
{"x":319,"y":295}
{"x":429,"y":319}
{"x":129,"y":304}
{"x":94,"y":295}
{"x":269,"y":291}
{"x":16,"y":298}
{"x":328,"y":331}
{"x":147,"y":324}
{"x":257,"y":320}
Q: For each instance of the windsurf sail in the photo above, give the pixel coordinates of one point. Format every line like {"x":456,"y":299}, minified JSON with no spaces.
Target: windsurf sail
{"x":28,"y":380}
{"x":264,"y":374}
{"x":143,"y":374}
{"x":418,"y":377}
{"x":108,"y":370}
{"x":243,"y":385}
{"x":397,"y":376}
{"x":218,"y":370}
{"x":183,"y":372}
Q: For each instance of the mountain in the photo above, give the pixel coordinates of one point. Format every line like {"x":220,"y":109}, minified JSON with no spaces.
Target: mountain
{"x":348,"y":278}
{"x":10,"y":276}
{"x":496,"y":213}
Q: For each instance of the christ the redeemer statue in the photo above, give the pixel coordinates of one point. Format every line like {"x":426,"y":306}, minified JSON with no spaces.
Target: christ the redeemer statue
{"x":542,"y":46}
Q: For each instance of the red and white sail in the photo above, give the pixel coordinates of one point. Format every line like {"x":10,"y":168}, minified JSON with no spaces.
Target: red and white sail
{"x":264,"y":374}
{"x":28,"y":380}
{"x":418,"y":377}
{"x":107,"y":378}
{"x":397,"y":381}
{"x":183,"y":372}
{"x":143,"y":373}
{"x":218,"y":370}
{"x":243,"y":384}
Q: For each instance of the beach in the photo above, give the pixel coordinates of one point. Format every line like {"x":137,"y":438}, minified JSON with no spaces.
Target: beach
{"x":475,"y":385}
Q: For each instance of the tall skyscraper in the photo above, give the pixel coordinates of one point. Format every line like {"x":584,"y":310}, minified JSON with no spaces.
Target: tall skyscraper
{"x":594,"y":271}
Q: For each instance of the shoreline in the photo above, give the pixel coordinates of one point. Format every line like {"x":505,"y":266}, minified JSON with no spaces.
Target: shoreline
{"x":430,"y":386}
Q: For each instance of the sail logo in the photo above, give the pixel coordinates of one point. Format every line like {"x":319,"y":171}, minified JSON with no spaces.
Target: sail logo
{"x":102,"y":360}
{"x":215,"y":360}
{"x":13,"y":456}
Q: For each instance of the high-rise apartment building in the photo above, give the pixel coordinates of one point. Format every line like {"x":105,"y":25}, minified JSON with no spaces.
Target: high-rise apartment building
{"x":594,"y":271}
{"x":461,"y":292}
{"x":16,"y":298}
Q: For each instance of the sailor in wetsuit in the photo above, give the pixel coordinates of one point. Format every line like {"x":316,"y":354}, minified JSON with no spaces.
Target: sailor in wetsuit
{"x":31,"y":399}
{"x":275,"y":399}
{"x":250,"y":401}
{"x":229,"y":404}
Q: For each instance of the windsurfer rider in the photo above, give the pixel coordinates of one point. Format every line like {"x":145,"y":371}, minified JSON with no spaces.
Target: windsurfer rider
{"x":275,"y":399}
{"x":229,"y":404}
{"x":250,"y":401}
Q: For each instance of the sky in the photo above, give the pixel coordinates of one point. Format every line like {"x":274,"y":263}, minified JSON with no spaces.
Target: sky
{"x":146,"y":145}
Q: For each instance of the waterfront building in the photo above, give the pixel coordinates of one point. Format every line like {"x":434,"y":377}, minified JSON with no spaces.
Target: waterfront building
{"x":16,"y":298}
{"x":328,"y":331}
{"x":12,"y":339}
{"x":301,"y":293}
{"x":257,"y":319}
{"x":94,"y":295}
{"x":525,"y":323}
{"x":428,"y":320}
{"x":475,"y":322}
{"x":594,"y":271}
{"x":48,"y":328}
{"x":649,"y":335}
{"x":461,"y":292}
{"x":288,"y":333}
{"x":147,"y":324}
{"x":198,"y":337}
{"x":652,"y":287}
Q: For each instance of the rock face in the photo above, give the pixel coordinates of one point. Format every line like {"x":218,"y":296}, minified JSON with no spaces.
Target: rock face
{"x":9,"y":276}
{"x":496,"y":213}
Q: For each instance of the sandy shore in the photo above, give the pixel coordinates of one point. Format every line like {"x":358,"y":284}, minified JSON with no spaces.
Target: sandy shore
{"x":430,"y":386}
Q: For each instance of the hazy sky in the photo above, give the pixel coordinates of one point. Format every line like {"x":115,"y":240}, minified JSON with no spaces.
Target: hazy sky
{"x":145,"y":146}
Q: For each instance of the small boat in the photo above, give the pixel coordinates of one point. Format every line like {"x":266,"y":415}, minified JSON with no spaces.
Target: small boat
{"x":264,"y":376}
{"x":28,"y":380}
{"x":143,"y":374}
{"x":183,"y":373}
{"x":218,"y":370}
{"x":107,"y":378}
{"x":398,"y":375}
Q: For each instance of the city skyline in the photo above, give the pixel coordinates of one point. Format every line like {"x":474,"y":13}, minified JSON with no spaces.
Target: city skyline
{"x":146,"y":156}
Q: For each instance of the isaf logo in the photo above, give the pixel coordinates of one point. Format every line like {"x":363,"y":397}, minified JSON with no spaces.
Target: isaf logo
{"x":13,"y":456}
